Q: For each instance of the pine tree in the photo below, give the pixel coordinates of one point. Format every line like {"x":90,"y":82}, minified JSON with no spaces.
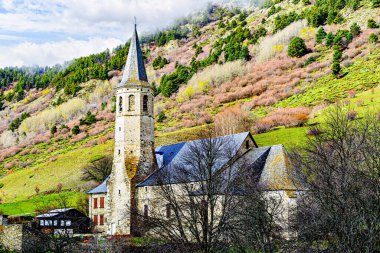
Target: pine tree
{"x":329,"y":39}
{"x":321,"y":35}
{"x":355,"y":29}
{"x":336,"y":68}
{"x":297,"y":47}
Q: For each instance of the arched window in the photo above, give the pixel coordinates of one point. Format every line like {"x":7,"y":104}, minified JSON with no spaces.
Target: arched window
{"x":145,"y":103}
{"x":131,"y":102}
{"x":120,"y":104}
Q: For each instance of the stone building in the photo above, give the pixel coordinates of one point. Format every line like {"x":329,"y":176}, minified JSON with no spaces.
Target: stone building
{"x":137,"y":164}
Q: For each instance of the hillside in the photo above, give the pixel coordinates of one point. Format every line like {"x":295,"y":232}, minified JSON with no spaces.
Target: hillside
{"x":230,"y":63}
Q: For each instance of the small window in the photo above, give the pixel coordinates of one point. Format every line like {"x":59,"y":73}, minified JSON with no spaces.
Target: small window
{"x":101,"y":219}
{"x":146,"y":211}
{"x":62,"y":223}
{"x":168,"y":211}
{"x":119,"y":151}
{"x":46,"y":223}
{"x":119,"y":128}
{"x":101,"y":202}
{"x":247,"y":144}
{"x":131,"y":102}
{"x":119,"y":192}
{"x":95,"y":220}
{"x":95,"y":203}
{"x":145,"y":103}
{"x":146,"y":189}
{"x":42,"y":223}
{"x":55,"y":223}
{"x":68,"y":223}
{"x":120,"y":104}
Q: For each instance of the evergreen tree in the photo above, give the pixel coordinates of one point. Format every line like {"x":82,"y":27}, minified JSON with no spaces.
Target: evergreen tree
{"x":336,"y":68}
{"x":355,"y":29}
{"x":372,"y":24}
{"x":373,"y":38}
{"x":329,"y":39}
{"x":75,"y":130}
{"x":297,"y":47}
{"x":321,"y":35}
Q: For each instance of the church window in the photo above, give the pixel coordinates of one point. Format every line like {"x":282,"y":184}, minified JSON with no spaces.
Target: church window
{"x":145,"y":103}
{"x":146,"y":189}
{"x":95,"y":220}
{"x":95,"y":203}
{"x":119,"y":151}
{"x":120,"y":104}
{"x":247,"y":144}
{"x":101,"y":219}
{"x":168,"y":211}
{"x":131,"y":102}
{"x":146,"y":210}
{"x":119,"y":192}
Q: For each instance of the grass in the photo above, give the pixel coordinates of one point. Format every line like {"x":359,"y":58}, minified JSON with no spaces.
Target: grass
{"x":28,"y":207}
{"x":363,"y":75}
{"x":289,"y":137}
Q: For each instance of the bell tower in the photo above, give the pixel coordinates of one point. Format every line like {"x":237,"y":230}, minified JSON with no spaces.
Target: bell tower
{"x":134,"y":141}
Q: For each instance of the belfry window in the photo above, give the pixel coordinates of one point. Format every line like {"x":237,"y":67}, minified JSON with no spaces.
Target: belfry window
{"x":120,"y":104}
{"x":145,"y":103}
{"x":131,"y":102}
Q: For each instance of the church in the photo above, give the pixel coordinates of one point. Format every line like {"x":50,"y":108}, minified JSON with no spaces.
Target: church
{"x":138,"y":165}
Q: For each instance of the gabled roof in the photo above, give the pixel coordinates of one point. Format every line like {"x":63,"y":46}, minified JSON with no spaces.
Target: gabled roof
{"x":102,"y":188}
{"x":173,"y":154}
{"x":134,"y":69}
{"x":54,"y":212}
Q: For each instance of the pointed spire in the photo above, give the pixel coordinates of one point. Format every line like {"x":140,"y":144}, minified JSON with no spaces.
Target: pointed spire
{"x":134,"y":70}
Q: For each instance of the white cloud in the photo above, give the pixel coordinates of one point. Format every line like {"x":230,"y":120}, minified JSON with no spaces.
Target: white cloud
{"x":82,"y":20}
{"x":50,"y":53}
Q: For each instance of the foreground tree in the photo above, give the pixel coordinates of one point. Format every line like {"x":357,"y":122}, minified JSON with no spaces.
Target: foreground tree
{"x":340,"y":167}
{"x":207,"y":205}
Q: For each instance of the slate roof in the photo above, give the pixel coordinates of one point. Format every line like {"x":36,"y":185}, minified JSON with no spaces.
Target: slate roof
{"x":53,"y":213}
{"x":102,"y":188}
{"x":134,"y":69}
{"x":173,"y":154}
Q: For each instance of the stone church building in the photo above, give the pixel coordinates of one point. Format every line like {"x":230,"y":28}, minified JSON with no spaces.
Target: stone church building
{"x":137,"y":164}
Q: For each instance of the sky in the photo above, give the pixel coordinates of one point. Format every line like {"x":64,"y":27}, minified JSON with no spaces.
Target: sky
{"x":47,"y":32}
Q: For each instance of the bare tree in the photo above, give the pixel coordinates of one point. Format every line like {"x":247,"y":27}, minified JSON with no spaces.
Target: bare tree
{"x":340,"y":168}
{"x":233,"y":120}
{"x":98,"y":170}
{"x":201,"y":201}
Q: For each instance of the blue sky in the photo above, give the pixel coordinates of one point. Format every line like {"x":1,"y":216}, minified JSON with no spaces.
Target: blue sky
{"x":46,"y":32}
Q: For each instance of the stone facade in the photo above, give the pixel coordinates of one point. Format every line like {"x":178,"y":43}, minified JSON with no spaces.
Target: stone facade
{"x":98,"y":211}
{"x":134,"y":142}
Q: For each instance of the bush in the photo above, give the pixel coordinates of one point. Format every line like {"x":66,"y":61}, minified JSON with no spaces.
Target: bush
{"x":310,"y":60}
{"x":372,"y":24}
{"x":88,"y":120}
{"x":351,"y":115}
{"x":297,"y":47}
{"x":321,"y":35}
{"x":161,"y":117}
{"x":336,"y":68}
{"x":159,"y":62}
{"x":53,"y":129}
{"x":337,"y":57}
{"x":75,"y":130}
{"x":355,"y":29}
{"x":373,"y":38}
{"x":375,"y":3}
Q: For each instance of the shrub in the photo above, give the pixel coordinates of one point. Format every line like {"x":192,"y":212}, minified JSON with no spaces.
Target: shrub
{"x":310,"y":60}
{"x":355,"y":29}
{"x":314,"y":131}
{"x":375,"y":3}
{"x":335,"y":67}
{"x":351,"y":115}
{"x":373,"y":38}
{"x":297,"y":47}
{"x":75,"y":130}
{"x":372,"y":24}
{"x":159,"y":62}
{"x":53,"y":129}
{"x":337,"y":56}
{"x":161,"y":116}
{"x":88,"y":120}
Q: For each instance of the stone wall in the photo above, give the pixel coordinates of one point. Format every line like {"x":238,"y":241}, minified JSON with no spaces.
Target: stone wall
{"x":22,"y":238}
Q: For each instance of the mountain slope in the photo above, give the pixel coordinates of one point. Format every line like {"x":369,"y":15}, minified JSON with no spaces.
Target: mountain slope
{"x":232,"y":59}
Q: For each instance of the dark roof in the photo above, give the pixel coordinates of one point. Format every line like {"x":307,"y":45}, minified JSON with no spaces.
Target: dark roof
{"x":173,"y":154}
{"x":54,"y":213}
{"x":102,"y":188}
{"x":134,"y":69}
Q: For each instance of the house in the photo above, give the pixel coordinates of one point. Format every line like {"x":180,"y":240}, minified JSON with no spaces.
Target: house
{"x":98,"y":202}
{"x":138,"y":166}
{"x":66,"y":220}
